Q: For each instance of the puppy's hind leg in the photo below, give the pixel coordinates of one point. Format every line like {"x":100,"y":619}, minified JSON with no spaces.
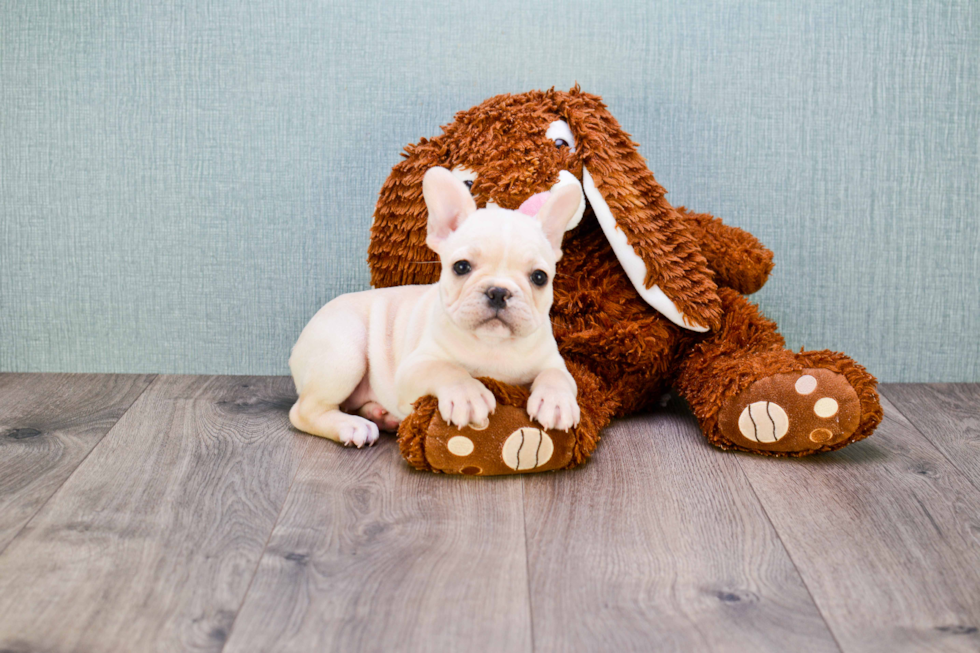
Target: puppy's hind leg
{"x":375,"y":412}
{"x":326,"y":371}
{"x":331,"y":422}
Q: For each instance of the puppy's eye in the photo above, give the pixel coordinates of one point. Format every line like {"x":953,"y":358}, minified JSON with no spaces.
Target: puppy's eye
{"x":468,"y":183}
{"x":462,"y":268}
{"x":560,"y":143}
{"x":539,"y":278}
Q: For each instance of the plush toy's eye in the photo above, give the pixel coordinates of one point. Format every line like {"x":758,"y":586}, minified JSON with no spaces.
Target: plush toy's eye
{"x":468,"y":183}
{"x":561,"y":135}
{"x":462,"y":268}
{"x":539,"y":278}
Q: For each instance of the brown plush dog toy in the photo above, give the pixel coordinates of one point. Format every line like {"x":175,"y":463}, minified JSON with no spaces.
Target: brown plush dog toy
{"x":647,"y":296}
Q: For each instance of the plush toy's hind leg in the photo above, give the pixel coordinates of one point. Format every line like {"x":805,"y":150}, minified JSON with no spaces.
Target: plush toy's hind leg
{"x":750,"y":393}
{"x":512,"y":443}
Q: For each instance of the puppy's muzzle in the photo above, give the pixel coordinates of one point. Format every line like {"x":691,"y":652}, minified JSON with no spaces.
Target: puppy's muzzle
{"x":497,"y":297}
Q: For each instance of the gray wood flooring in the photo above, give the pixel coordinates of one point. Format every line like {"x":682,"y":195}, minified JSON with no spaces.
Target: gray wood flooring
{"x":168,"y":513}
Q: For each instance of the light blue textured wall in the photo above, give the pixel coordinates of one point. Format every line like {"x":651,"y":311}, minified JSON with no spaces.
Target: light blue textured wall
{"x":182,"y":186}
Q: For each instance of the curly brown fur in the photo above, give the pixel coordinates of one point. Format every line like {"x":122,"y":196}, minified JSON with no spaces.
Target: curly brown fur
{"x":506,"y":130}
{"x":737,"y":257}
{"x":622,"y":352}
{"x":411,"y":432}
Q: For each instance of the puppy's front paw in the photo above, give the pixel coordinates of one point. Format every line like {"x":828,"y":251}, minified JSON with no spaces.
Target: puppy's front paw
{"x":554,"y":408}
{"x":357,"y":431}
{"x":467,"y":403}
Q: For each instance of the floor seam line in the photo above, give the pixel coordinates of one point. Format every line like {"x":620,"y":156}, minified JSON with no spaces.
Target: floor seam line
{"x":258,"y":563}
{"x":527,"y":563}
{"x":789,"y":554}
{"x":80,"y":463}
{"x":928,"y":440}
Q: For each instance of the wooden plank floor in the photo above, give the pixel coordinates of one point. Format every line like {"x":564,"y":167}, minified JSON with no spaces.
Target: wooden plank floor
{"x":167,"y":513}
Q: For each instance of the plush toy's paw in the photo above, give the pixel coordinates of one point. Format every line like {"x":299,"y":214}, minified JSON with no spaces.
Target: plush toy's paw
{"x":510,"y":444}
{"x":792,"y":412}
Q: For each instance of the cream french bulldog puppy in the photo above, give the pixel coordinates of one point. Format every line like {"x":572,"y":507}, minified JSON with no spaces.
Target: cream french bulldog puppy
{"x":364,"y":358}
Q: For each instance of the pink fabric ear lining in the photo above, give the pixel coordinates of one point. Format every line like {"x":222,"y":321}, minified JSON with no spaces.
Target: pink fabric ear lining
{"x":533,"y":204}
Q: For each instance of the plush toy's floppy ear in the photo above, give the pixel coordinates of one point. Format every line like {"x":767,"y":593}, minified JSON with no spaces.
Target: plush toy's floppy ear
{"x":397,"y":253}
{"x":650,"y":238}
{"x":449,"y":203}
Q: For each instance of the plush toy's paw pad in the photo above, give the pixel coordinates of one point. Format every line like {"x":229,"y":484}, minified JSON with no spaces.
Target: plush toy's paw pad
{"x":357,"y":431}
{"x":793,"y":412}
{"x":527,"y":448}
{"x":510,"y":444}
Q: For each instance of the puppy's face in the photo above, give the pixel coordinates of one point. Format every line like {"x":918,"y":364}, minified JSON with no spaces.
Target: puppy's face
{"x":497,"y":265}
{"x":496,"y":274}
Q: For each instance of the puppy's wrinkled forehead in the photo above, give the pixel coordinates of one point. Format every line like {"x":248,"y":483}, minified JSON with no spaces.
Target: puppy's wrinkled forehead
{"x":506,"y":238}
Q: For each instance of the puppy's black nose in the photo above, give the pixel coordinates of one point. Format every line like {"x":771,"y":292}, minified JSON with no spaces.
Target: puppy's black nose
{"x":498,"y":297}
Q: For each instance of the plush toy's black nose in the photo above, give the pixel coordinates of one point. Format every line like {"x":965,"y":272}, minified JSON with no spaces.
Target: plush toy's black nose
{"x":498,"y":297}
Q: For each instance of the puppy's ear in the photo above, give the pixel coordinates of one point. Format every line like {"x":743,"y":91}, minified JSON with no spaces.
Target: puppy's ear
{"x":449,"y":203}
{"x":651,"y":239}
{"x":557,"y":212}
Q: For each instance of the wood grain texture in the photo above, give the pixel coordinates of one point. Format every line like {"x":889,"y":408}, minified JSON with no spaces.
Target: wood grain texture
{"x":948,"y":415}
{"x":150,"y":545}
{"x":371,"y":555}
{"x":179,"y":532}
{"x":659,"y":544}
{"x":886,"y":534}
{"x":48,"y":424}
